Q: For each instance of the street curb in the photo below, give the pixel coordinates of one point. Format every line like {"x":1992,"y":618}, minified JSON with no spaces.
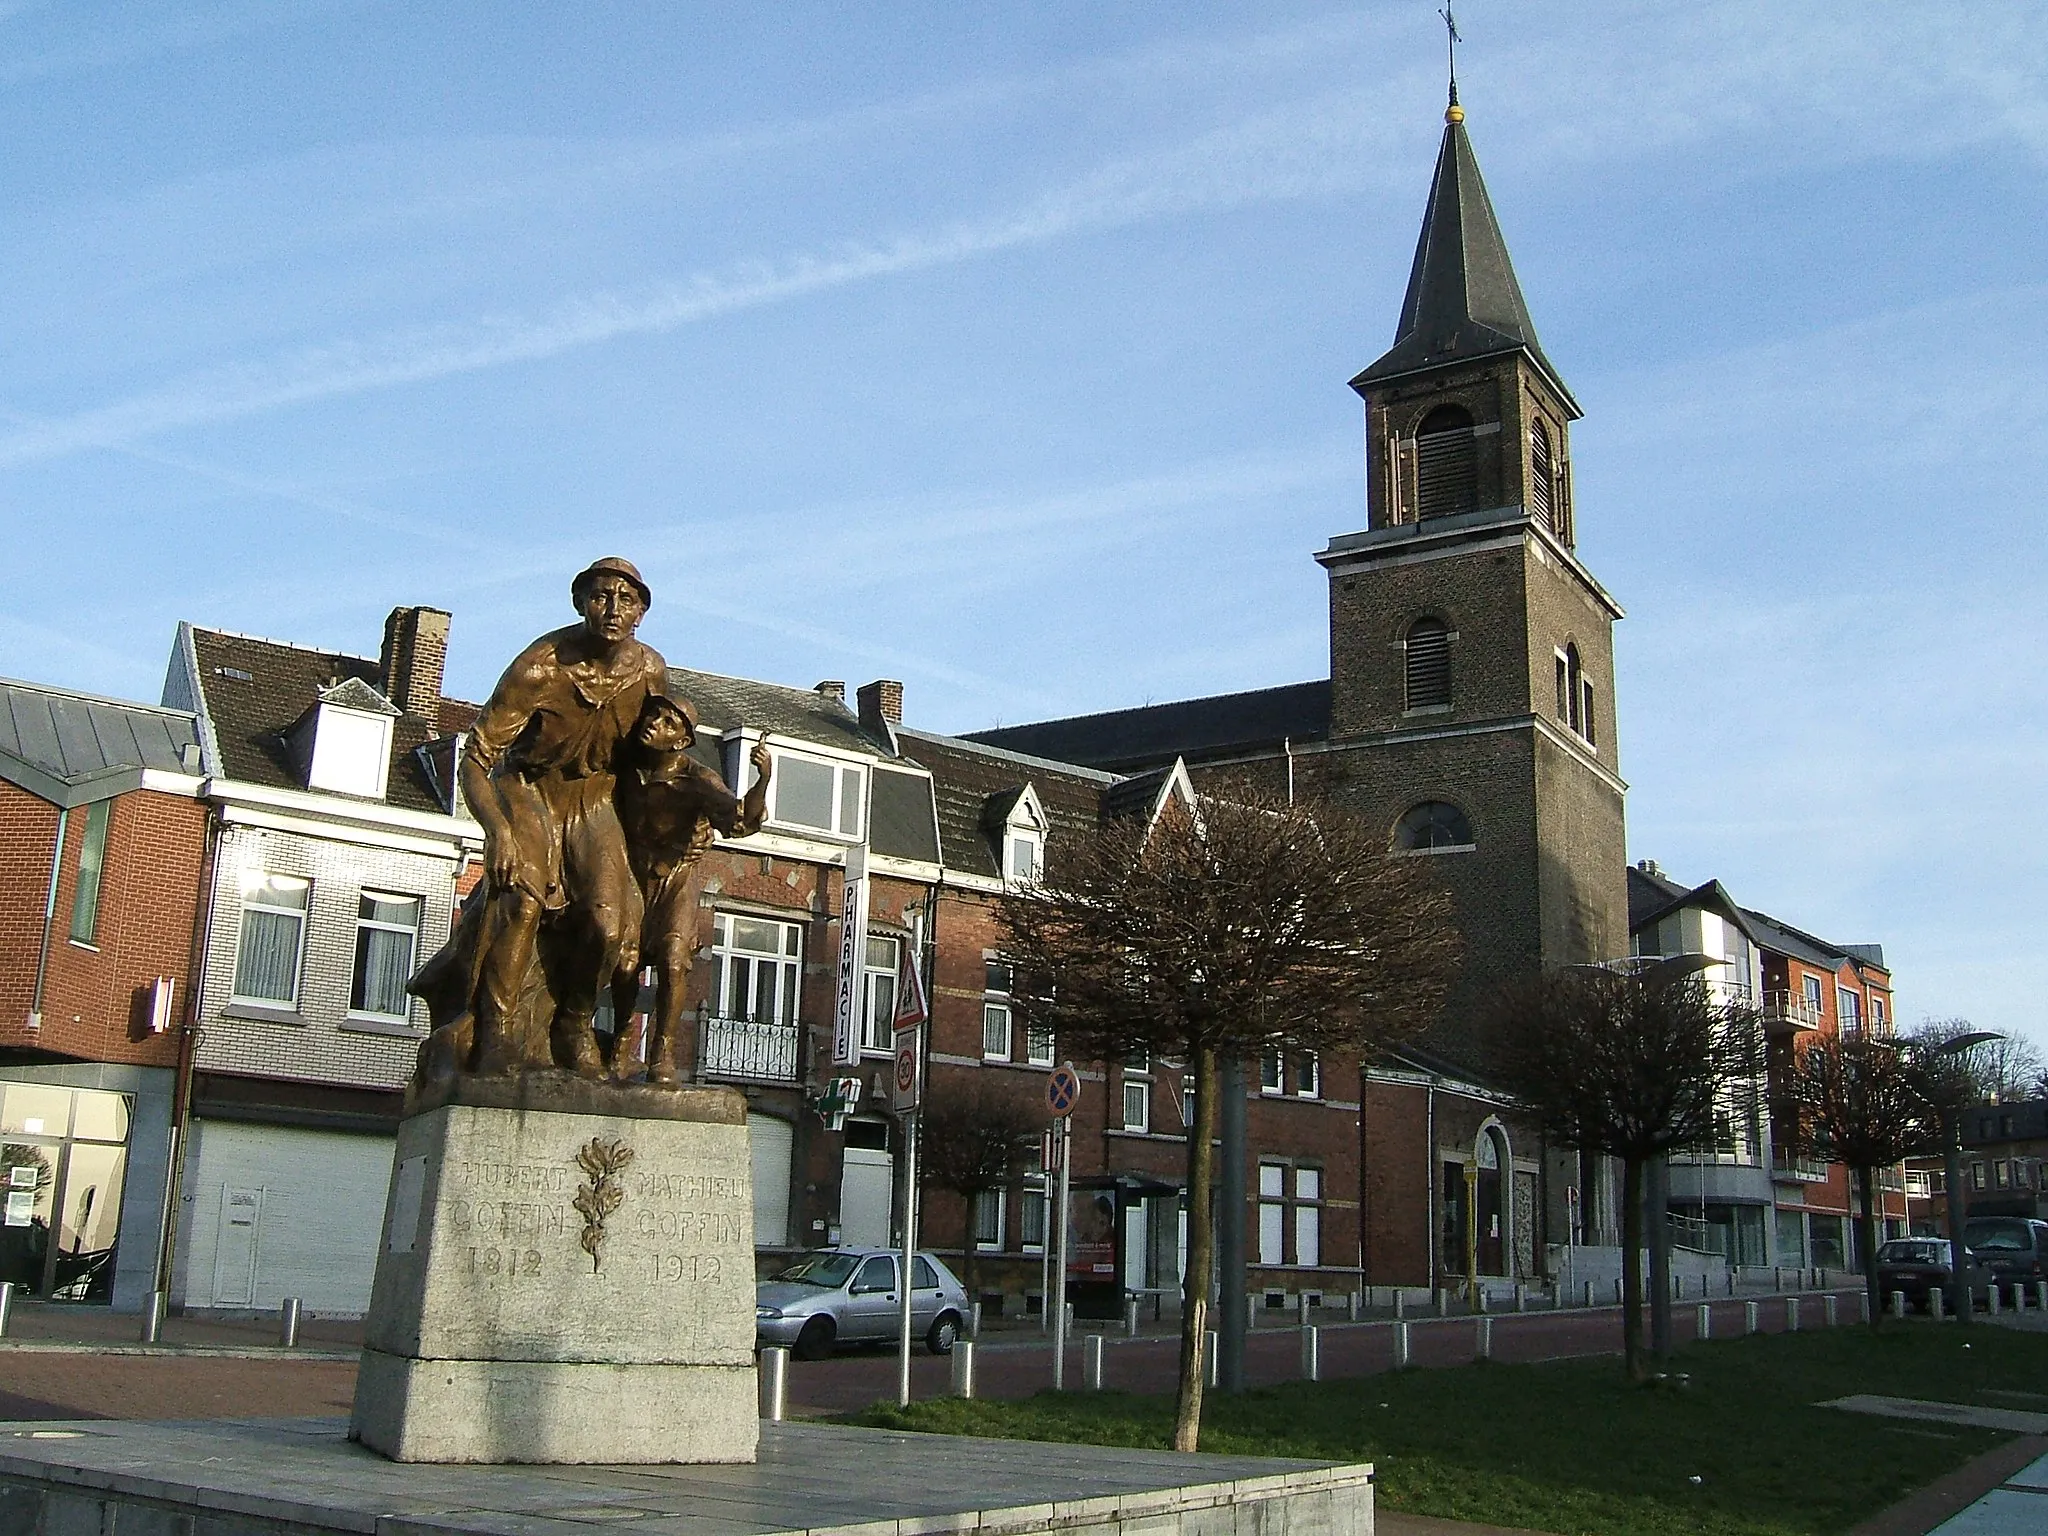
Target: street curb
{"x":175,"y":1351}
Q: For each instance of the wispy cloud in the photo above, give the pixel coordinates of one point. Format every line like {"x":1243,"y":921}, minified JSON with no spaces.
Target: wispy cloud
{"x":129,"y":38}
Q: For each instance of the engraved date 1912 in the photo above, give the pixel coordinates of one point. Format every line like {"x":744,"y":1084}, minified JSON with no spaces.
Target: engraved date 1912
{"x":684,"y":1266}
{"x":505,"y":1263}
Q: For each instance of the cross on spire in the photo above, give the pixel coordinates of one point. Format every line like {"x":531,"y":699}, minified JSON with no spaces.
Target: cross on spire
{"x":1451,"y":40}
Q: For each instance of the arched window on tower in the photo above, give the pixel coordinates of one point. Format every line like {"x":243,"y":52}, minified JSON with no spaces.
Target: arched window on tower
{"x":1427,"y":673}
{"x":1575,"y":695}
{"x":1434,"y":826}
{"x":1542,"y":472}
{"x":1446,"y":464}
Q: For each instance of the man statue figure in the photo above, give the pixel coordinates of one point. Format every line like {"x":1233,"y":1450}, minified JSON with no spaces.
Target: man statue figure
{"x":538,"y":775}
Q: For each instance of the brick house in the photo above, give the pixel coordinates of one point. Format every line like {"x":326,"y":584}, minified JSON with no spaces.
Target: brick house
{"x":1750,"y":1198}
{"x":1469,"y":711}
{"x":103,"y":839}
{"x":2004,"y":1163}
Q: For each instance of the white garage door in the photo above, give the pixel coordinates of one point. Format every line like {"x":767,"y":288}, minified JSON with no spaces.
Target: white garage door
{"x":864,"y":1189}
{"x":275,"y":1211}
{"x":770,"y":1140}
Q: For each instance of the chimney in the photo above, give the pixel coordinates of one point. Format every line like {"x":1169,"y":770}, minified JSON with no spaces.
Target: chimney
{"x":881,"y":700}
{"x":414,"y":656}
{"x":834,"y":690}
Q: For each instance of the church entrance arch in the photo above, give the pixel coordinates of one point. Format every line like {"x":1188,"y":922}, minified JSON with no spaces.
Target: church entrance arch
{"x":1489,"y":1198}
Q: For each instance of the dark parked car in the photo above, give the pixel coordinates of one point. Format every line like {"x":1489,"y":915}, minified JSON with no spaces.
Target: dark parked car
{"x":2014,"y":1249}
{"x":1915,"y":1265}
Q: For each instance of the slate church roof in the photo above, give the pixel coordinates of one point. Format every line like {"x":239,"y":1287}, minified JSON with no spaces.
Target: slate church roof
{"x":1155,"y":734}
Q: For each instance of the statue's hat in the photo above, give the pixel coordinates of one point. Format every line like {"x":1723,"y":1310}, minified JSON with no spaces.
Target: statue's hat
{"x":610,"y":565}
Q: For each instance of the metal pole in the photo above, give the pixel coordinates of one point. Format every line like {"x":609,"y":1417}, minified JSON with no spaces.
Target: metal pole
{"x":288,"y":1323}
{"x":963,"y":1368}
{"x":1957,"y":1202}
{"x":1059,"y":1301}
{"x":1091,"y":1362}
{"x":1658,"y":1216}
{"x":774,"y":1384}
{"x":6,"y":1305}
{"x":1231,"y":1195}
{"x":908,"y":1273}
{"x":153,"y":1317}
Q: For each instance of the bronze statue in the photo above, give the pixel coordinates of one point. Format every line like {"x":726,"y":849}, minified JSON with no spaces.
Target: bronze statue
{"x":593,"y":814}
{"x":671,"y":807}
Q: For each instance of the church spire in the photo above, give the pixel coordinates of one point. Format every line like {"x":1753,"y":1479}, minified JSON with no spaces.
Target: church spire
{"x":1463,"y":301}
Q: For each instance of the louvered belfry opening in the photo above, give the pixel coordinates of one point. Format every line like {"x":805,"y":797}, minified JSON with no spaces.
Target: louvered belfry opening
{"x":1541,"y":502}
{"x":1428,"y":664}
{"x":1446,"y":464}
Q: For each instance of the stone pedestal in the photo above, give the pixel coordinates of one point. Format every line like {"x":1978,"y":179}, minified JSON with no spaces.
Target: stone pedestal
{"x":570,"y":1284}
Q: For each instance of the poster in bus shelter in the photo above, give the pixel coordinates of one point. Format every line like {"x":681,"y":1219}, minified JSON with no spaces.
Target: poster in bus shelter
{"x":1091,"y":1235}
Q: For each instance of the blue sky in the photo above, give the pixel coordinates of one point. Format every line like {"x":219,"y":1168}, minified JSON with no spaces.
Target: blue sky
{"x":1002,"y":349}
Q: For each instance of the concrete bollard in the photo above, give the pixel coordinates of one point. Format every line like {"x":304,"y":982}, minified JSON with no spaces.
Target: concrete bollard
{"x":288,"y":1323}
{"x":1589,"y":1293}
{"x":1705,"y":1327}
{"x":1751,"y":1320}
{"x":775,"y":1382}
{"x":1479,"y":1300}
{"x":1209,"y":1353}
{"x":1620,"y":1293}
{"x":963,"y":1368}
{"x":1482,"y":1342}
{"x":1400,"y":1304}
{"x":1936,"y":1301}
{"x":974,"y":1321}
{"x":1443,"y":1303}
{"x":6,"y":1305}
{"x":1991,"y":1299}
{"x":1863,"y":1306}
{"x":1521,"y":1297}
{"x":2041,"y":1294}
{"x":153,"y":1310}
{"x":1131,"y":1317}
{"x":1400,"y":1346}
{"x":1091,"y":1362}
{"x":1302,"y":1308}
{"x":1351,"y":1305}
{"x":1070,"y":1318}
{"x":1827,"y":1310}
{"x":1251,"y":1311}
{"x":1791,"y":1314}
{"x":2019,"y":1297}
{"x":1898,"y":1303}
{"x":1311,"y":1353}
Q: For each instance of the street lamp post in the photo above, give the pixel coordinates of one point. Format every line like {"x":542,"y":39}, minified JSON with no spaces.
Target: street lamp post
{"x":1952,"y":1175}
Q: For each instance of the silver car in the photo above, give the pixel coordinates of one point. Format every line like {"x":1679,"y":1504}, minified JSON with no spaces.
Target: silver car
{"x":850,"y":1294}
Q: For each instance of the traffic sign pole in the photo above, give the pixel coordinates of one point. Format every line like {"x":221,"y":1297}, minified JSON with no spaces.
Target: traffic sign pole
{"x":1057,"y":1295}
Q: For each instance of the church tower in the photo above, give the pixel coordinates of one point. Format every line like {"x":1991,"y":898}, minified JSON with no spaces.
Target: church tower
{"x":1471,"y":653}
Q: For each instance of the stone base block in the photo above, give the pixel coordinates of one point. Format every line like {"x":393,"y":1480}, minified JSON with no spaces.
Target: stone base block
{"x":552,"y":1412}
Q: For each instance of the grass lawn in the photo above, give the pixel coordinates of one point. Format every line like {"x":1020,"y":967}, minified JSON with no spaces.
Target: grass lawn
{"x":1570,"y":1447}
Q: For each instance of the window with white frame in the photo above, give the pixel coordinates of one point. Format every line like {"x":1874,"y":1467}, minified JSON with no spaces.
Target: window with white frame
{"x":1308,"y":1215}
{"x":996,"y":1016}
{"x":273,"y":942}
{"x":387,"y":937}
{"x":1031,"y":1203}
{"x":1137,"y":1076}
{"x":1039,"y":1045}
{"x":1308,"y":1075}
{"x":1877,"y":1013}
{"x":1272,"y":1070}
{"x":816,"y":794}
{"x":988,"y":1218}
{"x":1272,"y":1213}
{"x":755,"y":966}
{"x":1023,"y":856}
{"x":1811,"y":988}
{"x":878,"y":995}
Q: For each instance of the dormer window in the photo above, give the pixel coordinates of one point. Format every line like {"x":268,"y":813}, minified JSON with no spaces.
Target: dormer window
{"x":816,"y":794}
{"x":1023,"y":842}
{"x":344,"y":740}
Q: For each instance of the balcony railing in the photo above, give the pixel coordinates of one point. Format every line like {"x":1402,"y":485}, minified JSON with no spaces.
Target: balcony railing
{"x":747,"y":1050}
{"x":1802,"y":1170}
{"x":1791,"y":1010}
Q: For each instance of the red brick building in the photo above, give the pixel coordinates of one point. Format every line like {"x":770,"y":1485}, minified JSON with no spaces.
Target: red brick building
{"x":103,"y":839}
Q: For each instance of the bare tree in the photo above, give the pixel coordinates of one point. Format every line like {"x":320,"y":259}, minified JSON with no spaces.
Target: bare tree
{"x":1870,"y":1101}
{"x":973,"y":1138}
{"x":1632,"y":1063}
{"x":1216,"y":933}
